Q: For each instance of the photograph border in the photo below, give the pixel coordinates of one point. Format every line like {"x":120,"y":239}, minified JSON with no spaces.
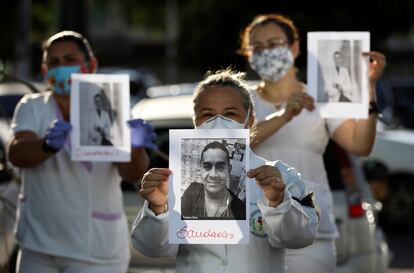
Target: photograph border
{"x":118,"y":153}
{"x":223,"y":231}
{"x":338,"y":109}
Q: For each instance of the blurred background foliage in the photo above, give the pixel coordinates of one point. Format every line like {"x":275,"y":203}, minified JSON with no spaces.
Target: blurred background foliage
{"x":190,"y":36}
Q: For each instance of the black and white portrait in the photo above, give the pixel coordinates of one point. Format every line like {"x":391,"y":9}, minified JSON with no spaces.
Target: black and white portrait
{"x":338,"y":73}
{"x":99,"y":105}
{"x":208,"y":196}
{"x":212,"y":171}
{"x":101,"y":118}
{"x":340,"y":70}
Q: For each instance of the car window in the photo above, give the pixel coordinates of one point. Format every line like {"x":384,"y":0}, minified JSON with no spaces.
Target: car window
{"x":396,"y":102}
{"x":7,"y":105}
{"x":403,"y":107}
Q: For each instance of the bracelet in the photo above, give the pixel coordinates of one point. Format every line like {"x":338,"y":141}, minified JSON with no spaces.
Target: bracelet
{"x":373,"y":108}
{"x":48,"y":149}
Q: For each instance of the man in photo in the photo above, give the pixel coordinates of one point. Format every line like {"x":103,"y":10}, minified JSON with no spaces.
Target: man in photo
{"x":341,"y":86}
{"x":100,"y":124}
{"x":212,"y":198}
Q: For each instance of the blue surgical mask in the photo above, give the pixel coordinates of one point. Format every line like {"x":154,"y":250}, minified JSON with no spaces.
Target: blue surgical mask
{"x":221,"y":122}
{"x":59,"y":78}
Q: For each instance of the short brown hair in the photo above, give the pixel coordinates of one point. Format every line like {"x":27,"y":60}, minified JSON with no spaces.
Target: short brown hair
{"x":280,"y":20}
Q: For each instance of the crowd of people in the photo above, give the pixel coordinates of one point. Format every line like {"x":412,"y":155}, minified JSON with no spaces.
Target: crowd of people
{"x":71,"y":218}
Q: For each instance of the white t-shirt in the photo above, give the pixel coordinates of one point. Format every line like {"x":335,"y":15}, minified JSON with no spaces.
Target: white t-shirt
{"x":65,"y":208}
{"x":301,"y":144}
{"x":271,"y":230}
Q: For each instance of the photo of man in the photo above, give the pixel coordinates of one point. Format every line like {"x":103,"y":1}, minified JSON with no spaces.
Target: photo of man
{"x":99,"y":132}
{"x":339,"y":70}
{"x":211,"y":198}
{"x":341,"y":89}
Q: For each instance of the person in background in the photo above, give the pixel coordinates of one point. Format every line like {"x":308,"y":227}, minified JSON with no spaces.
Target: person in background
{"x":282,"y":213}
{"x":70,"y":216}
{"x":288,"y":130}
{"x":377,"y":175}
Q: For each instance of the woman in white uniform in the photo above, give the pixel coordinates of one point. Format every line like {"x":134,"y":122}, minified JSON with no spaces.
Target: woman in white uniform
{"x":281,"y":211}
{"x":290,"y":131}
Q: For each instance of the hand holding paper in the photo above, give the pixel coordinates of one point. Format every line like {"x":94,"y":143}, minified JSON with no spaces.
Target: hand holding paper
{"x":376,"y":66}
{"x":154,"y":189}
{"x":269,"y":179}
{"x":297,"y":102}
{"x":142,"y":134}
{"x":57,"y":133}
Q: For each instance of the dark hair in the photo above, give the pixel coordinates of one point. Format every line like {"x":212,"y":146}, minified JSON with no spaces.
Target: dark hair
{"x":69,"y":36}
{"x":224,"y":78}
{"x":280,"y":20}
{"x":216,"y":145}
{"x":375,"y":170}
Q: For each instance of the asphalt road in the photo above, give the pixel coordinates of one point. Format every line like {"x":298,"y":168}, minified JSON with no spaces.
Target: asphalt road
{"x":400,"y":243}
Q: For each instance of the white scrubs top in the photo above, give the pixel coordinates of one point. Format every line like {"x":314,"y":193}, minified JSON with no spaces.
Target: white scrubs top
{"x":301,"y":144}
{"x":68,"y":208}
{"x":289,"y":225}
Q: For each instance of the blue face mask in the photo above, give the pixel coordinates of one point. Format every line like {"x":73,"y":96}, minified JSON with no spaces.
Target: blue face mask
{"x":59,"y":78}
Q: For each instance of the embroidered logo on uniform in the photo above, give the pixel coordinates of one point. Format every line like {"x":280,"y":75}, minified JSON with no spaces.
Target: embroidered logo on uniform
{"x":256,"y":223}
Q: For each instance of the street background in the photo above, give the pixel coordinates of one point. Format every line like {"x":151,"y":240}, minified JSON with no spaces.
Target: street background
{"x":174,"y":41}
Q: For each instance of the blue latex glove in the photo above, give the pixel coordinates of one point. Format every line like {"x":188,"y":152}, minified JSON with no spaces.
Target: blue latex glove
{"x":57,"y":133}
{"x":142,"y":134}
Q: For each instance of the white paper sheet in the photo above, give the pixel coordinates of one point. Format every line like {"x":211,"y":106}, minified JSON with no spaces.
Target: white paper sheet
{"x":99,"y":111}
{"x":186,"y":147}
{"x":337,"y":73}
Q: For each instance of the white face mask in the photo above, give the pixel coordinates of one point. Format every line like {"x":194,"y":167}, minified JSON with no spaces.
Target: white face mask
{"x":221,"y":122}
{"x":272,"y":64}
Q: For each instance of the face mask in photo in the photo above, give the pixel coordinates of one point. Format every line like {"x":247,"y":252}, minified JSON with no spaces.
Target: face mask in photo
{"x":59,"y":78}
{"x":221,"y":122}
{"x":272,"y":64}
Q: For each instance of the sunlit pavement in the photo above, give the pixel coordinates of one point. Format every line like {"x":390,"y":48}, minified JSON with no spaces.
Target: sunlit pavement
{"x":171,"y":270}
{"x":399,"y":242}
{"x":162,"y":270}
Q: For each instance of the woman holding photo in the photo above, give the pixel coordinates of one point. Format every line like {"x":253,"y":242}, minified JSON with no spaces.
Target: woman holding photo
{"x":288,"y":130}
{"x":282,"y":213}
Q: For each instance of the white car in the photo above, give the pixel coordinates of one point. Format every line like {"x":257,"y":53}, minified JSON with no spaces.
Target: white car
{"x":10,"y":93}
{"x":361,"y":246}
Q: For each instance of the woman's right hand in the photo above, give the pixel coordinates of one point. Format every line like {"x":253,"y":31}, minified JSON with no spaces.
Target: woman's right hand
{"x":154,"y":189}
{"x":296,"y":103}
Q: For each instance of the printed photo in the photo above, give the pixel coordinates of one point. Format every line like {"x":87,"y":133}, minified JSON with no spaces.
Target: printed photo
{"x":99,"y":105}
{"x":338,"y":73}
{"x":208,"y":197}
{"x":212,"y":171}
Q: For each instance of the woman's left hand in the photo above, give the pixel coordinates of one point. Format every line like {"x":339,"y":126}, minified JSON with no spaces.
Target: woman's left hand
{"x":269,"y":179}
{"x":377,"y":63}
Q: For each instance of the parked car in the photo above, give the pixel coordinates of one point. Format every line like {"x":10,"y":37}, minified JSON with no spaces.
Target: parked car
{"x":361,"y":246}
{"x":140,"y":79}
{"x":394,"y":147}
{"x":10,"y":94}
